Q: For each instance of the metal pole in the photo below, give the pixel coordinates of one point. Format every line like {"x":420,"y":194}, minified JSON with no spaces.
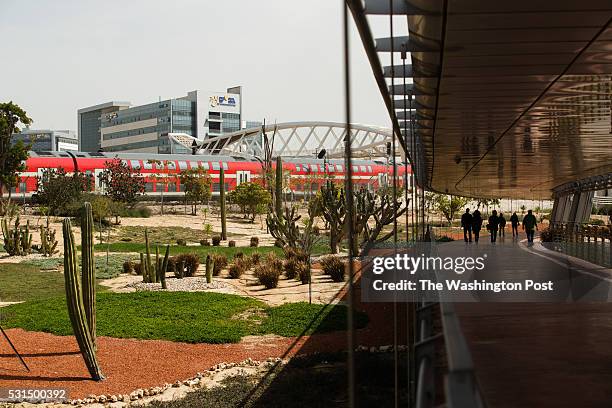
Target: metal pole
{"x":14,"y":349}
{"x":350,"y":207}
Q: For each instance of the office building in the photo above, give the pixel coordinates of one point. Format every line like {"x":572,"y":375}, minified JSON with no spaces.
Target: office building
{"x":223,"y":112}
{"x":90,"y":121}
{"x":145,"y":128}
{"x":46,"y":140}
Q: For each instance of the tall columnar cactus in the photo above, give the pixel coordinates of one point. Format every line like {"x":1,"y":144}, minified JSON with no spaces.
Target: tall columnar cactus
{"x":222,"y":203}
{"x":26,"y":240}
{"x":74,"y":296}
{"x":210,"y":264}
{"x":278,"y":195}
{"x":89,"y":268}
{"x":161,"y":273}
{"x":148,"y":267}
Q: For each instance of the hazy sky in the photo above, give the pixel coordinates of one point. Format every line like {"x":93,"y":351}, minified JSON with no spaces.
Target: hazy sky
{"x":62,"y":55}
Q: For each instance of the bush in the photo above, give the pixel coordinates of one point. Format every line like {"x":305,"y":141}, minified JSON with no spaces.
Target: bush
{"x":267,"y":275}
{"x":278,"y":243}
{"x":316,"y":230}
{"x":303,"y":272}
{"x":128,"y":266}
{"x":238,"y":255}
{"x":205,"y":242}
{"x":138,"y":268}
{"x":238,"y":267}
{"x":296,"y":253}
{"x":334,"y":267}
{"x":274,"y":261}
{"x":231,"y":244}
{"x":181,"y":242}
{"x":220,"y":263}
{"x":190,"y":263}
{"x":139,"y":211}
{"x":254,"y":242}
{"x":291,"y":268}
{"x":597,"y":222}
{"x":255,"y":257}
{"x":171,"y":264}
{"x":216,"y":240}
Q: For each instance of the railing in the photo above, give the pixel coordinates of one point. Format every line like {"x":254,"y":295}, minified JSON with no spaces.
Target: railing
{"x":441,"y":357}
{"x":592,"y":243}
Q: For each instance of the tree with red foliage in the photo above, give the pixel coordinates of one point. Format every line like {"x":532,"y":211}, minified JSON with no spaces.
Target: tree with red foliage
{"x":122,"y":183}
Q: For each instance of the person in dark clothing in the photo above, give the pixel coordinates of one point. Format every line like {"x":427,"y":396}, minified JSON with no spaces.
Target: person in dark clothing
{"x":493,"y":225}
{"x":466,"y":223}
{"x":530,"y":225}
{"x":502,"y":225}
{"x":514,"y":221}
{"x":476,"y":224}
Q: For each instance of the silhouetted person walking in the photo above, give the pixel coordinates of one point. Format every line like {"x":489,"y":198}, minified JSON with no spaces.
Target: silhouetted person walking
{"x":502,"y":225}
{"x":476,"y":224}
{"x":493,"y":225}
{"x":530,"y":225}
{"x":514,"y":221}
{"x":466,"y":223}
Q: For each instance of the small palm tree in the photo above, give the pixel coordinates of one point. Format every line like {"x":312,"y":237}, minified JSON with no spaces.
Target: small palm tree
{"x":208,"y":230}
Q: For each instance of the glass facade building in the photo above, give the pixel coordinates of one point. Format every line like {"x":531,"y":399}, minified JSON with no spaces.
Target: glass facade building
{"x":47,"y":140}
{"x":90,"y":121}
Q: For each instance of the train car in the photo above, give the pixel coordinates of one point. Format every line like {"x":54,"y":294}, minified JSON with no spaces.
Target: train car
{"x":161,"y":171}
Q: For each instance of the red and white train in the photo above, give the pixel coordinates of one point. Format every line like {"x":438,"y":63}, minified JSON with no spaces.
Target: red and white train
{"x":161,"y":170}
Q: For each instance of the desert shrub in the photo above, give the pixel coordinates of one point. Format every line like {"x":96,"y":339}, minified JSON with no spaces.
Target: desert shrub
{"x":316,"y":230}
{"x":267,"y":275}
{"x":291,"y":268}
{"x":334,"y":267}
{"x":255,"y":258}
{"x":303,"y":272}
{"x":231,"y":244}
{"x":289,"y":252}
{"x":220,"y":263}
{"x":181,"y":242}
{"x":254,"y":242}
{"x":171,"y":264}
{"x":238,"y":255}
{"x":139,"y":211}
{"x":278,"y":243}
{"x":238,"y":267}
{"x":190,"y":262}
{"x":128,"y":266}
{"x":216,"y":240}
{"x":138,"y":268}
{"x":296,"y":253}
{"x":274,"y":262}
{"x":205,"y":242}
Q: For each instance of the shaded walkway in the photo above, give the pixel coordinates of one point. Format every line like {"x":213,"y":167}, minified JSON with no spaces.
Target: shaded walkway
{"x":540,"y":354}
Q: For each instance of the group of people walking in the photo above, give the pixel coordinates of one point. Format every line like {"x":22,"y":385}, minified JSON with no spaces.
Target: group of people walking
{"x":472,"y":224}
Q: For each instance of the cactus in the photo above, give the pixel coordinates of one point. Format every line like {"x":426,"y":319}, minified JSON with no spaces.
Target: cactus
{"x":89,"y":269}
{"x":18,"y":240}
{"x":222,"y":203}
{"x":48,"y":243}
{"x":148,"y":267}
{"x":278,"y":195}
{"x":161,"y":273}
{"x":74,"y":296}
{"x":209,"y":268}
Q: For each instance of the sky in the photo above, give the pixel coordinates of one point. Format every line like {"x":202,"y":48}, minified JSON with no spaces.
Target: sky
{"x":62,"y":55}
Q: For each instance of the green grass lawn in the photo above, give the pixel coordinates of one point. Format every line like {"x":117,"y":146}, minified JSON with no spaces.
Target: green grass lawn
{"x":196,"y":317}
{"x":196,"y":249}
{"x":19,"y":282}
{"x":165,"y":235}
{"x":104,"y":269}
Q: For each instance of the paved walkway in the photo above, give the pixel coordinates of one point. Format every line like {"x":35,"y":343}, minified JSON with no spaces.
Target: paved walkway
{"x":540,"y":354}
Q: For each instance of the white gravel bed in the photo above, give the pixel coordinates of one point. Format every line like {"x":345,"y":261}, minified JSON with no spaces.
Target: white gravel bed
{"x":194,"y":284}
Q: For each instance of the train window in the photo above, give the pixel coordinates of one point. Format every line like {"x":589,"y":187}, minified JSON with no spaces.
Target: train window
{"x":216,"y":166}
{"x":135,"y":164}
{"x":205,"y":166}
{"x":355,"y":169}
{"x":369,"y":169}
{"x":172,"y":187}
{"x":182,"y":165}
{"x":171,"y":165}
{"x":124,"y":162}
{"x":148,"y":165}
{"x":297,"y":167}
{"x":225,"y":166}
{"x":148,"y":187}
{"x":362,"y":169}
{"x":194,"y":164}
{"x":314,"y":168}
{"x":339,"y":168}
